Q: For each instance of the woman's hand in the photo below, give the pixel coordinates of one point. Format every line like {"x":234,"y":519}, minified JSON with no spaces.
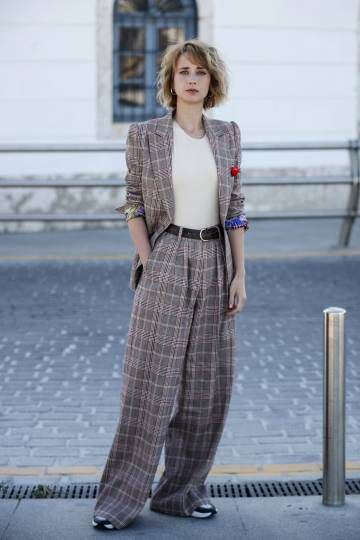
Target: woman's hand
{"x":237,"y":295}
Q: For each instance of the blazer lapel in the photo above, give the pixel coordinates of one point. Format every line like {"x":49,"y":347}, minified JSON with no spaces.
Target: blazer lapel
{"x":161,"y":140}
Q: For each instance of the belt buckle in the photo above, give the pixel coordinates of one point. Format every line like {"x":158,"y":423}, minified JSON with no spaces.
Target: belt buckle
{"x":204,"y":229}
{"x":201,"y":238}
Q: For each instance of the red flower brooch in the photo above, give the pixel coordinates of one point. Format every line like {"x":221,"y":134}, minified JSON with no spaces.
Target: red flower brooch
{"x":234,"y":170}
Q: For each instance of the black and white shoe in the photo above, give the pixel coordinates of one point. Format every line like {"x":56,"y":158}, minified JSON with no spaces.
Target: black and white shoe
{"x":102,"y":523}
{"x":204,"y":511}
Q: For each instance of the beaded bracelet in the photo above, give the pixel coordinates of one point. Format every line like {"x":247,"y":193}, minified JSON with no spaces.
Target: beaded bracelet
{"x":134,"y":210}
{"x":237,"y":222}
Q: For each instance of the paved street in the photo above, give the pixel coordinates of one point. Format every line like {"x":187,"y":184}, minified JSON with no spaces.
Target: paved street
{"x":64,"y":325}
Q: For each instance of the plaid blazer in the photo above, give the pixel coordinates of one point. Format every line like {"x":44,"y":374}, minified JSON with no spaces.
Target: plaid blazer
{"x":149,"y":189}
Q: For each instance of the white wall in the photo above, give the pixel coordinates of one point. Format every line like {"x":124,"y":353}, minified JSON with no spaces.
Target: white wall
{"x":293,"y":68}
{"x":48,"y":81}
{"x":47,"y":56}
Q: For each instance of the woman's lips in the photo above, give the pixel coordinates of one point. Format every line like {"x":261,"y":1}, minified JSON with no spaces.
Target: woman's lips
{"x":192,"y":91}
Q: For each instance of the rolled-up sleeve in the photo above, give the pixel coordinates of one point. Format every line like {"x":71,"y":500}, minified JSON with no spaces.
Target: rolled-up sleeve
{"x":236,"y":216}
{"x":134,"y":205}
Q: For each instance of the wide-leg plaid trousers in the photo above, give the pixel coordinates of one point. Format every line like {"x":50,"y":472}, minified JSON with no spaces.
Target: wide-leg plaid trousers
{"x":176,"y":382}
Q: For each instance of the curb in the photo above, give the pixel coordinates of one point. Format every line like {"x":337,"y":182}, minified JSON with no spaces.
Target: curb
{"x":219,"y":470}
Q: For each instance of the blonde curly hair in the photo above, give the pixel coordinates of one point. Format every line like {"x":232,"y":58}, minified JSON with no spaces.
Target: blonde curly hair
{"x":204,"y":55}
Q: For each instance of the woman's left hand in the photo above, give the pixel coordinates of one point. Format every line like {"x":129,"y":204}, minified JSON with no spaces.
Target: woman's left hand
{"x":237,"y":295}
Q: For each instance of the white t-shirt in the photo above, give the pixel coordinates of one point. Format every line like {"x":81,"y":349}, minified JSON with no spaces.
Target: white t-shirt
{"x":195,"y":181}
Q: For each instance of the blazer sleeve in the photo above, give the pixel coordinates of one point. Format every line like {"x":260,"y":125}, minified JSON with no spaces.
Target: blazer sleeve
{"x":134,"y":205}
{"x":236,"y":216}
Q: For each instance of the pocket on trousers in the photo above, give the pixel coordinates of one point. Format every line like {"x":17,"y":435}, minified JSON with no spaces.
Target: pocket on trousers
{"x":152,"y":254}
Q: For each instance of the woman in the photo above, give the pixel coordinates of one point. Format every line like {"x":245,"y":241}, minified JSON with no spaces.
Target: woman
{"x":184,"y":207}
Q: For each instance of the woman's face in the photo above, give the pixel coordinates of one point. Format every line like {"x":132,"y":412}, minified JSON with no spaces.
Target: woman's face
{"x":190,"y":76}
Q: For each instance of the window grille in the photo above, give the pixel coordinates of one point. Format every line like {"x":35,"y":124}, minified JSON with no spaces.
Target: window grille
{"x":142,"y":29}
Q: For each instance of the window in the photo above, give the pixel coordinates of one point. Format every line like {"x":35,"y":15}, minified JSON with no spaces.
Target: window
{"x":142,"y":31}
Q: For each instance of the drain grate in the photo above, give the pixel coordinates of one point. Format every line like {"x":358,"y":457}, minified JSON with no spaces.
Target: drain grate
{"x":269,"y":488}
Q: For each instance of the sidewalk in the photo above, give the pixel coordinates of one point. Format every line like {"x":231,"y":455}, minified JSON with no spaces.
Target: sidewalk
{"x":268,"y":518}
{"x":280,"y":518}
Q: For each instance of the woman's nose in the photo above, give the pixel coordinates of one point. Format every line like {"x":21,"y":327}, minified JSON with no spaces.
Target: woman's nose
{"x":193,"y":77}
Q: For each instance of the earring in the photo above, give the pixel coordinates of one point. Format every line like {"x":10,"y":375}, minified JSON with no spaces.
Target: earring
{"x":172,"y":92}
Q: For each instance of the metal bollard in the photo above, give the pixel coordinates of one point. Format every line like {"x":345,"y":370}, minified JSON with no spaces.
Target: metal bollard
{"x":334,"y":407}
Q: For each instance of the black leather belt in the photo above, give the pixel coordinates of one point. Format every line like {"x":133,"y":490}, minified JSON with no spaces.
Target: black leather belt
{"x":206,"y":233}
